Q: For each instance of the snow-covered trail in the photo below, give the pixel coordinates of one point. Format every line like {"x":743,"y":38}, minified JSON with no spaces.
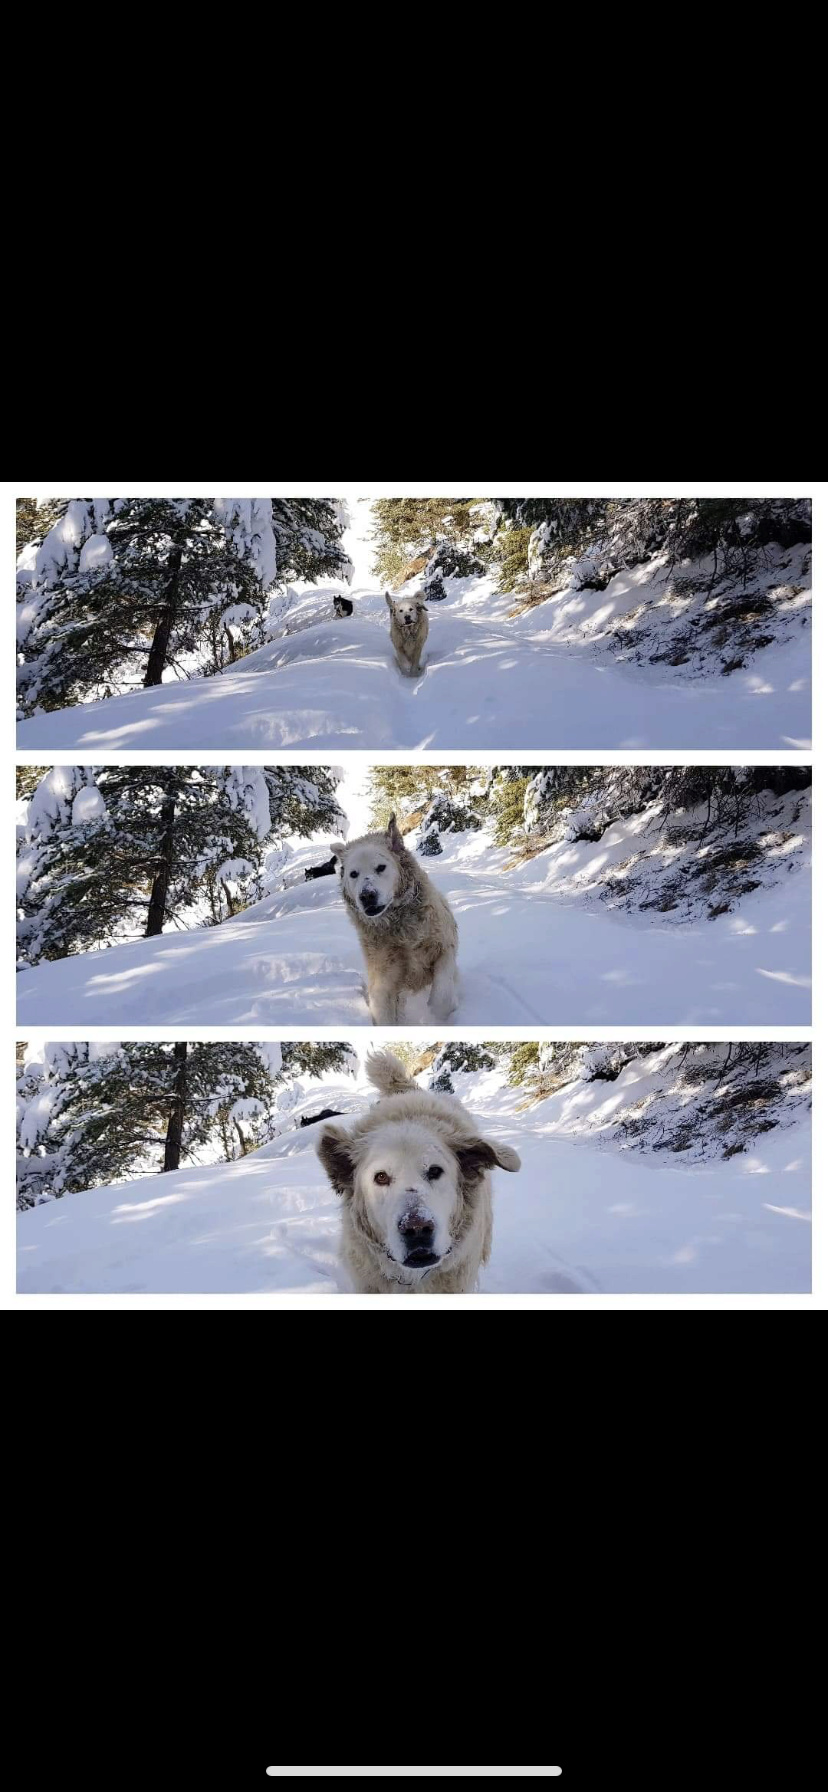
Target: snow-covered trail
{"x":574,"y":1220}
{"x":490,"y":681}
{"x":527,"y":958}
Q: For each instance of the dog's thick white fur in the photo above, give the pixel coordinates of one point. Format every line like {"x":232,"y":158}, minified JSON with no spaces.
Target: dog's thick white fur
{"x":415,"y":1176}
{"x":409,"y":631}
{"x":406,"y":929}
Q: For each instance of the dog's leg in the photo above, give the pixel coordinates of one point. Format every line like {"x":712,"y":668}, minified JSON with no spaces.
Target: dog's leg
{"x":443,"y":998}
{"x":384,"y":1002}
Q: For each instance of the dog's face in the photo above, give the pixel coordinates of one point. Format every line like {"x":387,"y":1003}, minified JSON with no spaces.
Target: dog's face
{"x":370,"y":871}
{"x":407,"y":1184}
{"x":411,"y":1188}
{"x":406,"y":612}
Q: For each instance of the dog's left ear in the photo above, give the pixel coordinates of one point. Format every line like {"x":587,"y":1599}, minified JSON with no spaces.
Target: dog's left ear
{"x":394,"y":837}
{"x":333,"y":1148}
{"x":477,"y":1155}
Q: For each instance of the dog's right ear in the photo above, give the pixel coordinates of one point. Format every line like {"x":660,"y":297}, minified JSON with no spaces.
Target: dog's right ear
{"x":337,"y":848}
{"x":389,"y":601}
{"x":333,"y":1148}
{"x":394,"y":837}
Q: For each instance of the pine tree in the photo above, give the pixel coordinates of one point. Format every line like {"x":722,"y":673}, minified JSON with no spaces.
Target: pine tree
{"x":124,"y":590}
{"x":404,"y":789}
{"x":126,"y":850}
{"x":315,"y":1057}
{"x":408,"y":529}
{"x":307,"y":534}
{"x":82,"y":1119}
{"x":90,"y":1114}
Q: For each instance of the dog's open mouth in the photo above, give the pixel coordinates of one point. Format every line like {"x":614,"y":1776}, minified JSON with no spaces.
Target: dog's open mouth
{"x":421,"y":1259}
{"x":372,"y":909}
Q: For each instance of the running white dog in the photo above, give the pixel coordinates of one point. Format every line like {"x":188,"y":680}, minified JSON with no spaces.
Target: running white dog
{"x":409,"y":631}
{"x":406,"y":929}
{"x":415,"y":1175}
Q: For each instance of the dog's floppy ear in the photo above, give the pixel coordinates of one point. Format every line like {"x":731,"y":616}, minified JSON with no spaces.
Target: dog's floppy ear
{"x":394,"y":837}
{"x":333,"y":1148}
{"x":389,"y":601}
{"x":476,"y":1155}
{"x":338,"y":848}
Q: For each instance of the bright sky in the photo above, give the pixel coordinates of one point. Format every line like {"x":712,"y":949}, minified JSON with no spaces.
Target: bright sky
{"x":353,"y":797}
{"x":357,"y":542}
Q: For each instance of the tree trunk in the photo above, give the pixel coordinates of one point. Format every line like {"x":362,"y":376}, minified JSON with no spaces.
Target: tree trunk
{"x":175,"y":1124}
{"x":161,"y":639}
{"x":158,"y":893}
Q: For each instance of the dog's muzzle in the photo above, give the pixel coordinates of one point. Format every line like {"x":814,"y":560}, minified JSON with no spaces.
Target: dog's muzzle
{"x":416,"y":1229}
{"x":370,"y":905}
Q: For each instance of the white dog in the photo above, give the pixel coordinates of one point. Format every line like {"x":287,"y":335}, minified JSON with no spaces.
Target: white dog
{"x":406,"y":929}
{"x":409,"y":631}
{"x":415,"y":1174}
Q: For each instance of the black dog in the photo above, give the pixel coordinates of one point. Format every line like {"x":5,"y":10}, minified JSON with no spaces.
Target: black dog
{"x":343,"y":606}
{"x":326,"y":870}
{"x":326,"y":1114}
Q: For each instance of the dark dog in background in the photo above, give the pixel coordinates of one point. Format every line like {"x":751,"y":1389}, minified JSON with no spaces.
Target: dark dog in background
{"x":326,"y":1114}
{"x":343,"y":606}
{"x":326,"y":870}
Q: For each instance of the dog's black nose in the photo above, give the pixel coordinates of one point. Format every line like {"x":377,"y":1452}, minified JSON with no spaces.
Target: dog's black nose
{"x":370,"y":904}
{"x":417,"y":1232}
{"x":417,"y":1228}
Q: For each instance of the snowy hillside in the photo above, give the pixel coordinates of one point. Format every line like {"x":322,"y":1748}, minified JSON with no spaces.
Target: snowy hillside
{"x":581,"y":1216}
{"x":633,"y":665}
{"x":553,"y":939}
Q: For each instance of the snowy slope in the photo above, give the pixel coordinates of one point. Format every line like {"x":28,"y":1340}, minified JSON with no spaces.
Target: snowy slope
{"x":554,"y":677}
{"x":537,"y":946}
{"x":574,"y":1220}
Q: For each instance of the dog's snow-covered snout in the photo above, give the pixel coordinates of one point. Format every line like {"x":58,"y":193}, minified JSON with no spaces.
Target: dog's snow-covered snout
{"x":417,"y":1226}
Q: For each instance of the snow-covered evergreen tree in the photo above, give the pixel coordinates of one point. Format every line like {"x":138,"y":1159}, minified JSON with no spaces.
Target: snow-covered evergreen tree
{"x":79,"y":1120}
{"x":307,"y":536}
{"x":126,"y":850}
{"x":123,"y":591}
{"x":89,"y":1114}
{"x":315,"y":1057}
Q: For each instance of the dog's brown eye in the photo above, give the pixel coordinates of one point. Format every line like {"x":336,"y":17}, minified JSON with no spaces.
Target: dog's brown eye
{"x":434,"y":1171}
{"x":354,"y":874}
{"x":383,"y":1178}
{"x":379,"y":869}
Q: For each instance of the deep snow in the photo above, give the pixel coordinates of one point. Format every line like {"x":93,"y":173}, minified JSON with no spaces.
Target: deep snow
{"x":537,"y":947}
{"x":542,"y":680}
{"x":574,"y":1220}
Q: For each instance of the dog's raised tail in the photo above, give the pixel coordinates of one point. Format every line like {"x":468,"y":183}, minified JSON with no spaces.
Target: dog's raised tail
{"x":388,"y":1073}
